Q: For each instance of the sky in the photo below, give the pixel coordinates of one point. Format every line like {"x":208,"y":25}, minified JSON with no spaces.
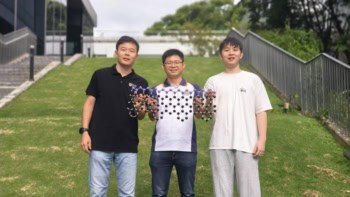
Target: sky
{"x":132,"y":16}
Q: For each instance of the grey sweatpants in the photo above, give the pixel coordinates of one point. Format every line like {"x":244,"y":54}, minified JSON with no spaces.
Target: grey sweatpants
{"x":230,"y":164}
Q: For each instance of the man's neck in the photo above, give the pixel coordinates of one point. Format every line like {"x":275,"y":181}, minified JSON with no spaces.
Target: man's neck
{"x":232,"y":70}
{"x":123,"y":70}
{"x":174,"y":81}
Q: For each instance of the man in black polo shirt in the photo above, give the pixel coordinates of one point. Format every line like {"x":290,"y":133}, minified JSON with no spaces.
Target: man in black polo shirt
{"x":109,"y":133}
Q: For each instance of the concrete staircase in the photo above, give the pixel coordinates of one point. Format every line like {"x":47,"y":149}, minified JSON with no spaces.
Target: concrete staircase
{"x":15,"y":73}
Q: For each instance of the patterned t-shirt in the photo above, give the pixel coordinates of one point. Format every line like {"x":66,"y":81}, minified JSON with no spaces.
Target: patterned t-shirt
{"x":175,"y":128}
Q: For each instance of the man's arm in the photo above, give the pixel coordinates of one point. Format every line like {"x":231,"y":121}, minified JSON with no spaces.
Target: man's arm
{"x":85,"y":121}
{"x":261,"y":120}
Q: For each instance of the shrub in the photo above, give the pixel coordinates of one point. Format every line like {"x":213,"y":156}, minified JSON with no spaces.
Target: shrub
{"x":302,"y":44}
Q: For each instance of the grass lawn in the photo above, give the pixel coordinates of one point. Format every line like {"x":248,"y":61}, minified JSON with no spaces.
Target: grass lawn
{"x":40,"y":151}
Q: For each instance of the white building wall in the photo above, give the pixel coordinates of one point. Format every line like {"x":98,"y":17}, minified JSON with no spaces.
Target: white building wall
{"x":105,"y":46}
{"x":149,"y":46}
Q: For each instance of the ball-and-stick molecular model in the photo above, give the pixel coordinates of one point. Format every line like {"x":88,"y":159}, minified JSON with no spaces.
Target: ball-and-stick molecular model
{"x":172,"y":102}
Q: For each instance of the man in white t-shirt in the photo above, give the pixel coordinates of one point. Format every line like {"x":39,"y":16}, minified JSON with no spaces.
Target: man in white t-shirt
{"x":239,"y":126}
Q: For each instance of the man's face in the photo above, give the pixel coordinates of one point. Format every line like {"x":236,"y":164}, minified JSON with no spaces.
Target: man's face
{"x":231,"y":55}
{"x":173,"y":66}
{"x":126,"y":54}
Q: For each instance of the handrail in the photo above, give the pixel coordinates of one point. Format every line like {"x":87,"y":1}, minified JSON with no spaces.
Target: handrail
{"x":15,"y":44}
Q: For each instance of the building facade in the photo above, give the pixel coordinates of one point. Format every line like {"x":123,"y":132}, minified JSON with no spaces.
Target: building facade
{"x":67,"y":20}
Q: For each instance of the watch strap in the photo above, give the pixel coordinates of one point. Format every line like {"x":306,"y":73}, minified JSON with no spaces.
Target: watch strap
{"x":82,"y":130}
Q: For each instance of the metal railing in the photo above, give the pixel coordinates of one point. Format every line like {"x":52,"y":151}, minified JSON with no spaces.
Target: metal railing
{"x":15,"y":44}
{"x":320,"y":86}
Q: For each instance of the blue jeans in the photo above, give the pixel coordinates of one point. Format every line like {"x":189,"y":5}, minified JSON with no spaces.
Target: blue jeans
{"x":162,"y":162}
{"x":100,"y":167}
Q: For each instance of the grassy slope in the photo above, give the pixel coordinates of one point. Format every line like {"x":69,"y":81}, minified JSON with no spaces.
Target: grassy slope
{"x":40,"y":153}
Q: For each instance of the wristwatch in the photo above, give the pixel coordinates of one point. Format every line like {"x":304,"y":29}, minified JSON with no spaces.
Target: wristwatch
{"x":82,"y":130}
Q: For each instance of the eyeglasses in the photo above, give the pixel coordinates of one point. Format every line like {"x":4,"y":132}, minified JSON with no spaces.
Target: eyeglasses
{"x":176,"y":63}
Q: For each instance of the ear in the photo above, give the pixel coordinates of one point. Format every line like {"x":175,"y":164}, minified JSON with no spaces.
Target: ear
{"x":116,"y":53}
{"x":184,"y":65}
{"x":241,"y":56}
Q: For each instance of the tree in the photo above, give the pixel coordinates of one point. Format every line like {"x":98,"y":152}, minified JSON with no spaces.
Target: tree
{"x":257,"y":17}
{"x":204,"y":14}
{"x":278,"y":14}
{"x":200,"y":22}
{"x":273,"y":14}
{"x":330,"y":19}
{"x":204,"y":41}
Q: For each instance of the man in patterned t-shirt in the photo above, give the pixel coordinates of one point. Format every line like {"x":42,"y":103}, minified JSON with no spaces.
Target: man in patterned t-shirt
{"x":174,"y":140}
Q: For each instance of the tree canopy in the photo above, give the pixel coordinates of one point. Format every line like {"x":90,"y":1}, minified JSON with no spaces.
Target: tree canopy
{"x":200,"y":23}
{"x":206,"y":15}
{"x":329,"y":19}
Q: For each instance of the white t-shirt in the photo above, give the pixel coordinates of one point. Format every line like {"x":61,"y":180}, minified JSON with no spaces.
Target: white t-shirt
{"x":239,"y":97}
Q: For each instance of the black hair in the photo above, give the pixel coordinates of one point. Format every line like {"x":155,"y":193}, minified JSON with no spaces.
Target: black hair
{"x":231,"y":41}
{"x":125,"y":39}
{"x":171,"y":52}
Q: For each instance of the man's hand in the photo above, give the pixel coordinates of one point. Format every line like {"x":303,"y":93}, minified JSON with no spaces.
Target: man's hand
{"x":198,"y":106}
{"x":259,"y":149}
{"x":139,"y":102}
{"x":209,"y":95}
{"x":152,"y":104}
{"x":86,"y":142}
{"x":208,"y":108}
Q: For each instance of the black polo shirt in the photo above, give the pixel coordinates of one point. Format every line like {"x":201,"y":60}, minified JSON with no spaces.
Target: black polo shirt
{"x":112,"y":129}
